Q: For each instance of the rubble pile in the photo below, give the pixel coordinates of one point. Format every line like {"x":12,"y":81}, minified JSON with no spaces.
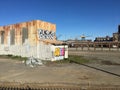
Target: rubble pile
{"x":33,"y":62}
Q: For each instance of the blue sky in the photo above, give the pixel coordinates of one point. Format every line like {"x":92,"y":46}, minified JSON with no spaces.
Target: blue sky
{"x":72,"y":17}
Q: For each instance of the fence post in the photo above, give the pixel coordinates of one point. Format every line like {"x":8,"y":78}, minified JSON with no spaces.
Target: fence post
{"x":88,"y":47}
{"x":101,"y":46}
{"x":109,"y":47}
{"x":94,"y":46}
{"x":81,"y":47}
{"x":117,"y":46}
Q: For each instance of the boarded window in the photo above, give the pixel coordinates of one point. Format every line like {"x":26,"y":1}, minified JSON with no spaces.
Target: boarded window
{"x":12,"y":37}
{"x":24,"y":34}
{"x":2,"y":37}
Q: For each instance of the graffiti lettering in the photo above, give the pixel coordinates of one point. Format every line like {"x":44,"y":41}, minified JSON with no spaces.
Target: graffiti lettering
{"x":62,"y":51}
{"x":45,"y":34}
{"x":59,"y":52}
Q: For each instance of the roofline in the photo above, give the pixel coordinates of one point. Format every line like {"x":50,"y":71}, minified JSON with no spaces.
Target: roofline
{"x":26,"y":22}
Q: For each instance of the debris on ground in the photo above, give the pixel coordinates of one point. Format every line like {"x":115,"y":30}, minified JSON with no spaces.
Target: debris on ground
{"x":33,"y":62}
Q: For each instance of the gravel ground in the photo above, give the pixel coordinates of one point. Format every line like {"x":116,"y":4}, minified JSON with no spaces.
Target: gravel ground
{"x":16,"y":71}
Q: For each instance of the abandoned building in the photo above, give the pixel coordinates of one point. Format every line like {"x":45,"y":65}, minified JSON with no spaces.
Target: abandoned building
{"x":34,"y":38}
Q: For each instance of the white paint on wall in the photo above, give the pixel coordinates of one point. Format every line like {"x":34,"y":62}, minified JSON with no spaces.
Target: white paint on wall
{"x":41,"y":50}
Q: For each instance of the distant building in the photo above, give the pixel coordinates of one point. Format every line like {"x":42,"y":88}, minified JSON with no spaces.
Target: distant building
{"x":34,"y":38}
{"x":116,"y":36}
{"x":103,"y":39}
{"x":119,"y":29}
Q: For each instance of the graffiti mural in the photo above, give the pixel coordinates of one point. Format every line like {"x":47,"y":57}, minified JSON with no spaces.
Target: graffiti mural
{"x":45,"y":34}
{"x":59,"y":52}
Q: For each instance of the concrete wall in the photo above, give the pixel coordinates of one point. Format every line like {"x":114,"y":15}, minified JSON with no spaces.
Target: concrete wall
{"x":42,"y":51}
{"x":24,"y":50}
{"x":34,"y":38}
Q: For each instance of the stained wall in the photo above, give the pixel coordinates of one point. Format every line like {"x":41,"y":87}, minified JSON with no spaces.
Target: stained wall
{"x":23,"y":39}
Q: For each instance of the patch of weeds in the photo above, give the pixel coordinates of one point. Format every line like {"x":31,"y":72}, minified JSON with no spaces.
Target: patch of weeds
{"x":78,"y":59}
{"x":93,"y":60}
{"x":19,"y":58}
{"x":71,"y":59}
{"x":9,"y":56}
{"x":6,"y":56}
{"x":56,"y":63}
{"x":62,"y":61}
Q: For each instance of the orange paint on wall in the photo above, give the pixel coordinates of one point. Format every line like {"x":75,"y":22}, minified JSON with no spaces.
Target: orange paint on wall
{"x":32,"y":27}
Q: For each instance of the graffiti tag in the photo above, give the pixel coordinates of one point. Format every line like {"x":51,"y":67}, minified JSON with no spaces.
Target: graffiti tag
{"x":45,"y":34}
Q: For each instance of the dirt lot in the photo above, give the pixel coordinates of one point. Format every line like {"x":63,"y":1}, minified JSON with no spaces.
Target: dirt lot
{"x":105,"y":60}
{"x":113,"y":56}
{"x":16,"y":71}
